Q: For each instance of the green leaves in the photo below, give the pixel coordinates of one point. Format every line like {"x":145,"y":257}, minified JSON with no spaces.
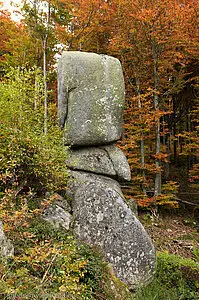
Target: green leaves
{"x":27,"y":155}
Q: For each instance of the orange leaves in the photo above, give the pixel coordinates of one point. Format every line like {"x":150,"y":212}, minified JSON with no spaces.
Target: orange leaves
{"x":166,"y":200}
{"x":145,"y":201}
{"x":161,"y":156}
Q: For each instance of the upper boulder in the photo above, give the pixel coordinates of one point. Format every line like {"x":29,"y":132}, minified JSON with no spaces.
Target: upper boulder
{"x":90,"y":98}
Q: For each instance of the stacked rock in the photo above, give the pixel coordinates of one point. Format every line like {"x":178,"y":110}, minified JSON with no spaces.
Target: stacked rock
{"x":90,"y":102}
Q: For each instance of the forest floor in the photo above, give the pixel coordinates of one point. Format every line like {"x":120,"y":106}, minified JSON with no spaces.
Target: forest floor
{"x":174,"y":232}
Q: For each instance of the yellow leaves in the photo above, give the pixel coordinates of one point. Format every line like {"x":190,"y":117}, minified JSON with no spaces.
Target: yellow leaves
{"x":21,"y":272}
{"x":28,"y":235}
{"x":167,"y":198}
{"x":62,"y":288}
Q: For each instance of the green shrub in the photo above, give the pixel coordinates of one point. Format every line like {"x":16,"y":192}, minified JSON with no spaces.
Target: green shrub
{"x":29,"y":159}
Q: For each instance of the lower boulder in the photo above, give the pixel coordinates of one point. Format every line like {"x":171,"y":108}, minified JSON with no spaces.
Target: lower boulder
{"x":102,"y":219}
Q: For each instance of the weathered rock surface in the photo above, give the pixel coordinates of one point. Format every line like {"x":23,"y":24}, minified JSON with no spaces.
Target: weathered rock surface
{"x":7,"y":249}
{"x":91,"y":159}
{"x":108,"y":160}
{"x":101,"y":218}
{"x":119,"y":161}
{"x":78,"y":178}
{"x":57,"y":217}
{"x":90,"y":98}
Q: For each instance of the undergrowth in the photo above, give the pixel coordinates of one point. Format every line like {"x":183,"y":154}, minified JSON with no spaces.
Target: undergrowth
{"x":51,"y":264}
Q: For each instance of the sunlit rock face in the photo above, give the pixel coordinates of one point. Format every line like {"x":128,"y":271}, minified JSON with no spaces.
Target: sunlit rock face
{"x":90,"y":98}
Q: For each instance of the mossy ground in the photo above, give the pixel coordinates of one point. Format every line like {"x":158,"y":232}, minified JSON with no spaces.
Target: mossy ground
{"x":51,"y":262}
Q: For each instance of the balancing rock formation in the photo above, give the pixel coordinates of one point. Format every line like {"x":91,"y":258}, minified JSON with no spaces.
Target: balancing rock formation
{"x":90,"y":102}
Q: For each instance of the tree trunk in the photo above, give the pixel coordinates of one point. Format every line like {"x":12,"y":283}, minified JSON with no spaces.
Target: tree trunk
{"x":45,"y":72}
{"x":142,"y":152}
{"x":45,"y":87}
{"x":36,"y":93}
{"x":167,"y":164}
{"x":158,"y":179}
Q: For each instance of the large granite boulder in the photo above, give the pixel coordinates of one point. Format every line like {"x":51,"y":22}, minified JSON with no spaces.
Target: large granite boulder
{"x":102,"y":219}
{"x":90,"y":98}
{"x":108,"y":160}
{"x":90,"y":103}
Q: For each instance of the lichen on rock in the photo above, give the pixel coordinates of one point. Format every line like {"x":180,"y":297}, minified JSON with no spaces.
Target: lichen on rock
{"x":102,"y":219}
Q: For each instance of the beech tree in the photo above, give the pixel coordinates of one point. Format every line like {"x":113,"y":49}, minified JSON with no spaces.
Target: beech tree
{"x":16,"y":47}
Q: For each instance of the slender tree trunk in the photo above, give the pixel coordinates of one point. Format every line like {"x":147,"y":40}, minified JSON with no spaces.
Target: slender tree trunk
{"x":142,"y":152}
{"x":45,"y":72}
{"x":158,"y":179}
{"x":36,"y":93}
{"x":174,"y":133}
{"x":45,"y":87}
{"x":166,"y":143}
{"x":167,"y":166}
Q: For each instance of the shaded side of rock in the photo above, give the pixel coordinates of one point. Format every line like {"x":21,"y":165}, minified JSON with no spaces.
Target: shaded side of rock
{"x":7,"y":249}
{"x":90,"y":98}
{"x":133,"y":205}
{"x":119,"y":161}
{"x":102,"y":219}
